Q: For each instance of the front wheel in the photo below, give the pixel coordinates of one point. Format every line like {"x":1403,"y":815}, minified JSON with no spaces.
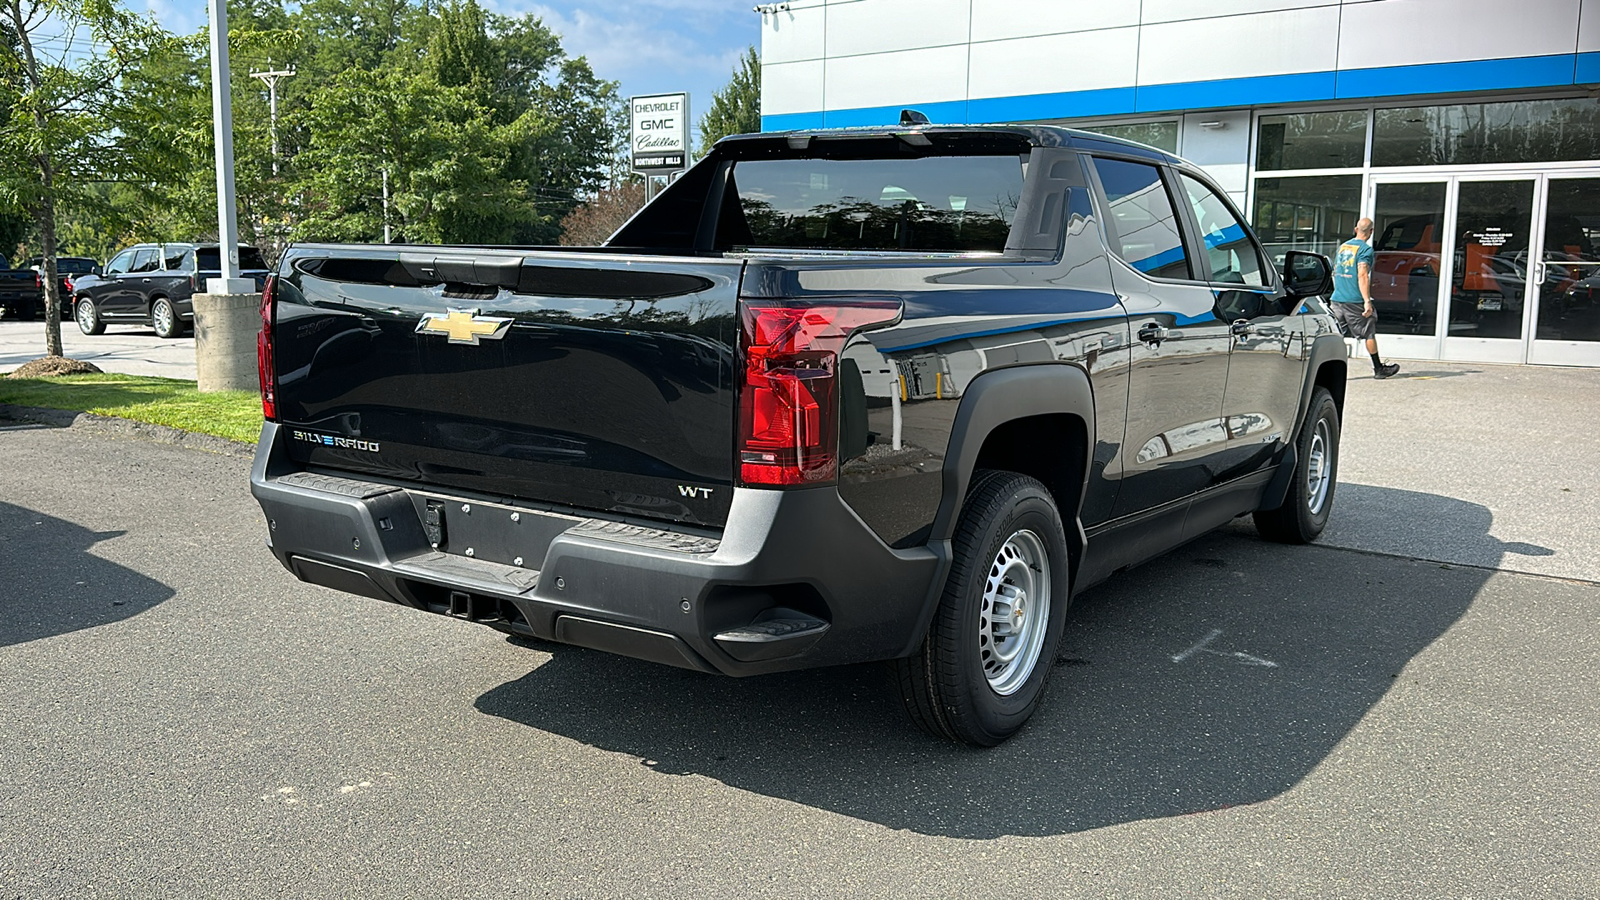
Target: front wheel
{"x":88,"y":317}
{"x":1304,"y":511}
{"x":982,"y":669}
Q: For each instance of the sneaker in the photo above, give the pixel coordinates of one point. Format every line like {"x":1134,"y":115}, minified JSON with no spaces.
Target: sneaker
{"x":1386,"y":370}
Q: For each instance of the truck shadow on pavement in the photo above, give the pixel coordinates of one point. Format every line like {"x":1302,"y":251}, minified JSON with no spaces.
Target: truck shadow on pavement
{"x":1219,"y":675}
{"x":50,"y":584}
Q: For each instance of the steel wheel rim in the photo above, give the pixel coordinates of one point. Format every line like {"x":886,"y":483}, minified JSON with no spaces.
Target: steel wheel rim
{"x":1319,"y":463}
{"x":1015,"y":613}
{"x":85,"y":315}
{"x":163,"y":318}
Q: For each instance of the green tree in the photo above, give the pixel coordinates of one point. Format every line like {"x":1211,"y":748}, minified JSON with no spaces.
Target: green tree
{"x":736,"y":108}
{"x":66,"y":114}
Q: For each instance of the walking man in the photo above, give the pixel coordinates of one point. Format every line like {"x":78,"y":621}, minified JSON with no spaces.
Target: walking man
{"x":1352,"y":294}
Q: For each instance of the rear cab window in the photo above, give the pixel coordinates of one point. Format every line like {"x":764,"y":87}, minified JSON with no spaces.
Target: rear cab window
{"x":1143,"y":228}
{"x":944,"y":204}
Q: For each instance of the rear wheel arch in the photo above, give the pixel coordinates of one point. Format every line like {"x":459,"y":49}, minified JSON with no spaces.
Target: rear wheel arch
{"x":1021,"y":419}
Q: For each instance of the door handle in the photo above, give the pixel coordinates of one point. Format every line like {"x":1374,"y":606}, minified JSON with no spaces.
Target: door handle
{"x":1153,"y":334}
{"x":1241,"y":327}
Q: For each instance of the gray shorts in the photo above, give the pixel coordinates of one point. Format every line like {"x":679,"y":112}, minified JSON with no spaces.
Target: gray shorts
{"x":1358,"y":326}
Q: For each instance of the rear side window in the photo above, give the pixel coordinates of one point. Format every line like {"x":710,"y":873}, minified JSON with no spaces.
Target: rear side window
{"x":1146,"y":225}
{"x":174,"y":256}
{"x":1231,"y":256}
{"x":146,"y":261}
{"x":933,"y":203}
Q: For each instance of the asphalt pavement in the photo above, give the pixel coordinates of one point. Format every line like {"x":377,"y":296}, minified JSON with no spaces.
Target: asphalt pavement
{"x":1395,"y":711}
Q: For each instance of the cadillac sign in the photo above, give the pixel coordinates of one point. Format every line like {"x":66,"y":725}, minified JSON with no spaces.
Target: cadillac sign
{"x":660,"y":132}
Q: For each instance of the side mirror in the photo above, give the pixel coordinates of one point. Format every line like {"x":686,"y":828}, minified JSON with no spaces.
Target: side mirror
{"x":1306,"y":274}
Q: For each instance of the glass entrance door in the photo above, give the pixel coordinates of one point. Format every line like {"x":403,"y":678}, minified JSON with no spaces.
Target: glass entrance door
{"x":1451,"y":265}
{"x":1488,"y":269}
{"x":1566,"y":320}
{"x":1408,"y":238}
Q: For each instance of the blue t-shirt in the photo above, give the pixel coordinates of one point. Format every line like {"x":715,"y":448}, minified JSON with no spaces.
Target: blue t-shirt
{"x":1346,"y":284}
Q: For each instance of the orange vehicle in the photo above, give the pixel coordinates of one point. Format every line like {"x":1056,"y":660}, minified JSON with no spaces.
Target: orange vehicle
{"x":1405,"y":277}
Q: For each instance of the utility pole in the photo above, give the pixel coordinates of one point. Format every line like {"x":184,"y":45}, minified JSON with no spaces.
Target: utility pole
{"x":271,"y":79}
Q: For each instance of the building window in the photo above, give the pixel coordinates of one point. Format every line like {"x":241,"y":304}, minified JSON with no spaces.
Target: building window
{"x":1160,"y":135}
{"x":1315,"y":213}
{"x":1313,"y":140}
{"x":1467,"y":133}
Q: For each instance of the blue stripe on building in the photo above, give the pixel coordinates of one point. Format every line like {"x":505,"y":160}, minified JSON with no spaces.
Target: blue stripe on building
{"x":1557,"y":70}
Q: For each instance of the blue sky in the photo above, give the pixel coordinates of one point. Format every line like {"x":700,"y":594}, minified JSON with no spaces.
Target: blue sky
{"x":650,"y":46}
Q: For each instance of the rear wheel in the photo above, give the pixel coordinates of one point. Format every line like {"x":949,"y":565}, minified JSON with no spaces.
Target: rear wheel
{"x":982,"y":669}
{"x":1304,"y":511}
{"x":164,"y":318}
{"x":88,"y":317}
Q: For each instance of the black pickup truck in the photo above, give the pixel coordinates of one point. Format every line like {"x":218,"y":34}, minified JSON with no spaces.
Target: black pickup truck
{"x":20,"y":292}
{"x":836,"y":396}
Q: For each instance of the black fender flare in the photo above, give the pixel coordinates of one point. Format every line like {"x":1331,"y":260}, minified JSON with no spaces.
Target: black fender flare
{"x":992,"y":399}
{"x":1000,"y":396}
{"x":1325,"y":348}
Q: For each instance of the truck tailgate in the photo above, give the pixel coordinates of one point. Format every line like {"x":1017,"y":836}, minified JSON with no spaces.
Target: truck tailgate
{"x":592,"y":380}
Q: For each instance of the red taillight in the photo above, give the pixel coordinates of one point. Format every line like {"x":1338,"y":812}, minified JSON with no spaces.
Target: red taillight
{"x":67,"y":284}
{"x":788,"y":402}
{"x":38,"y":280}
{"x":264,"y":366}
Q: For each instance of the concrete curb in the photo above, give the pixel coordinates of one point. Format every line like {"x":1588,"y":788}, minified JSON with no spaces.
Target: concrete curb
{"x":161,"y":434}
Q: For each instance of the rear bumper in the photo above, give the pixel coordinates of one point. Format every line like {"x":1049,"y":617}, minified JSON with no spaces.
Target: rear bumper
{"x":670,"y":596}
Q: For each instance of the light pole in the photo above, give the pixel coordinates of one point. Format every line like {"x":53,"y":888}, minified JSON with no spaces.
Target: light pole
{"x":271,"y":79}
{"x":222,"y":120}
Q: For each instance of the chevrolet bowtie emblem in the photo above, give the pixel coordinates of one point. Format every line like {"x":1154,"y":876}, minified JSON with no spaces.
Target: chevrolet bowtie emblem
{"x":464,"y":326}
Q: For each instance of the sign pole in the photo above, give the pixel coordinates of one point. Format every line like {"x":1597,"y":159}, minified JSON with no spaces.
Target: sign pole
{"x":222,"y":122}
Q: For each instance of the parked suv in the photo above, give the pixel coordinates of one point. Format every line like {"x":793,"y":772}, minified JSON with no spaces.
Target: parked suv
{"x":152,"y":284}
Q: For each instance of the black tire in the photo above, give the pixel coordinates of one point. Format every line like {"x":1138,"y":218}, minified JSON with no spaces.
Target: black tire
{"x":949,"y":687}
{"x":1304,"y":511}
{"x":164,"y":318}
{"x":88,"y":318}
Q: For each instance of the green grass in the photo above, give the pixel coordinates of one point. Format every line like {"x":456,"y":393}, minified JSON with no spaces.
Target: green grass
{"x":163,"y":401}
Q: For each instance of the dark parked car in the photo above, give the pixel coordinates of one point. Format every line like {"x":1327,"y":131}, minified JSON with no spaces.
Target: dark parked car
{"x":68,"y":269}
{"x":152,"y":284}
{"x":19,"y":292}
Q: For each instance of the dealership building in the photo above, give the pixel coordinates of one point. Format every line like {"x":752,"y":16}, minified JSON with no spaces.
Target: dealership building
{"x":1469,"y":130}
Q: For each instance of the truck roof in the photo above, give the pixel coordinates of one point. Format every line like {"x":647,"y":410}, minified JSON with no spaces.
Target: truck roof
{"x":1032,"y":135}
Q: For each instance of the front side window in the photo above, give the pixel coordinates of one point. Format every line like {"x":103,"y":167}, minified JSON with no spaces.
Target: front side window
{"x":120,"y":264}
{"x":1146,"y":226}
{"x":934,"y":203}
{"x":1231,"y":256}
